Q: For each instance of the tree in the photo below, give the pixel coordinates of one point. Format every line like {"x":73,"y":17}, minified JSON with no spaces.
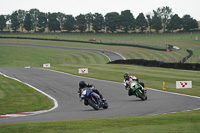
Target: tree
{"x":141,"y":22}
{"x":97,"y":22}
{"x":175,"y":23}
{"x":53,"y":23}
{"x":28,"y":24}
{"x":189,"y":23}
{"x":2,"y":22}
{"x":89,"y":19}
{"x":112,"y":21}
{"x":14,"y":21}
{"x":127,"y":20}
{"x":165,"y":14}
{"x":34,"y":16}
{"x":156,"y":22}
{"x":61,"y":19}
{"x":81,"y":22}
{"x":69,"y":23}
{"x":149,"y":21}
{"x":42,"y":21}
{"x":21,"y":17}
{"x":8,"y":20}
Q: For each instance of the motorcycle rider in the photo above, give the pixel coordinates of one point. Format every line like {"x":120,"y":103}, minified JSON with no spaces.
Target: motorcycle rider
{"x":127,"y":82}
{"x":83,"y":85}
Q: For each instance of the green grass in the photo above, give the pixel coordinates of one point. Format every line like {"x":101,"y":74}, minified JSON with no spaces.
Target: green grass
{"x":128,"y":52}
{"x":17,"y":97}
{"x":184,"y":41}
{"x":70,"y":61}
{"x":185,"y":122}
{"x":20,"y":56}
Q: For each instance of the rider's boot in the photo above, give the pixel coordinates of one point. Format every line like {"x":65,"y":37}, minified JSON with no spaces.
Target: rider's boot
{"x":102,"y":98}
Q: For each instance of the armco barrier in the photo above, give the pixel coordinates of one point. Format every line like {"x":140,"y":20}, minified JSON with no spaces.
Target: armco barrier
{"x":154,"y":63}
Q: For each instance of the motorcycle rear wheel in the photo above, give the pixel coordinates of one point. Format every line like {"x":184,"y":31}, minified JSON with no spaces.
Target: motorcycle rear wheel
{"x":92,"y":104}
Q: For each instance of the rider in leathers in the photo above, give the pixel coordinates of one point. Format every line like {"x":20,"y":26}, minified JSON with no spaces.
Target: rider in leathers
{"x":127,"y":81}
{"x":82,"y":85}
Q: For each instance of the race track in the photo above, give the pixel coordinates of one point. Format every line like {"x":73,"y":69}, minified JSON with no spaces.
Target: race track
{"x":63,"y":87}
{"x":112,"y":56}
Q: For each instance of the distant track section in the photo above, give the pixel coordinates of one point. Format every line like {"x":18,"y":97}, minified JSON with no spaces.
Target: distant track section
{"x":114,"y":44}
{"x":112,"y":56}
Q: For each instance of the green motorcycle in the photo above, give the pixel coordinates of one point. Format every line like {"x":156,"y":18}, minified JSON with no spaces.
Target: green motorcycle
{"x":138,"y":90}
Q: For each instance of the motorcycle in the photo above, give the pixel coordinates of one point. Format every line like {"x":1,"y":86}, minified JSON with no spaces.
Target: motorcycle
{"x":93,"y":99}
{"x":138,"y":90}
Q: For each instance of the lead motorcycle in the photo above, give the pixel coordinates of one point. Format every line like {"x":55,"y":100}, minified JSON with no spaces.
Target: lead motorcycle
{"x":138,"y":90}
{"x":93,"y":99}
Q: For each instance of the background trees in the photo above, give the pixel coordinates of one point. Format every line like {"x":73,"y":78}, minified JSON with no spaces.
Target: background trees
{"x":81,"y":22}
{"x":69,"y":23}
{"x":149,"y":21}
{"x":14,"y":21}
{"x":89,"y":19}
{"x":161,"y":20}
{"x":28,"y":24}
{"x":112,"y":21}
{"x":21,"y":17}
{"x":189,"y":23}
{"x":53,"y":23}
{"x":2,"y":22}
{"x":156,"y":22}
{"x":42,"y":21}
{"x":175,"y":23}
{"x":98,"y":22}
{"x":165,"y":13}
{"x":34,"y":17}
{"x":127,"y":21}
{"x":141,"y":22}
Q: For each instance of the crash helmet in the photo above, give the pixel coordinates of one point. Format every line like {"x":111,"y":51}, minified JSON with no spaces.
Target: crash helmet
{"x":126,"y":76}
{"x":82,"y":84}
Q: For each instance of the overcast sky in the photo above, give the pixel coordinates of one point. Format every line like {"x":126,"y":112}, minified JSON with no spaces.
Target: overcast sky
{"x":76,"y":7}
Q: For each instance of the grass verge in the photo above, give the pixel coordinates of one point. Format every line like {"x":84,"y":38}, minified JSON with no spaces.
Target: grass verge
{"x":17,"y":97}
{"x":184,"y":122}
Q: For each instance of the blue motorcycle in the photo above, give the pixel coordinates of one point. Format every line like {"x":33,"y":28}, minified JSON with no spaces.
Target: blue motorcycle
{"x":93,"y":99}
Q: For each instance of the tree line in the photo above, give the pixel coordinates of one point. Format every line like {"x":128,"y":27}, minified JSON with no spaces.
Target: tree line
{"x":160,"y":19}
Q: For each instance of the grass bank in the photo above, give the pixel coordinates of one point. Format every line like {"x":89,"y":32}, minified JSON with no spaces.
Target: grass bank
{"x":182,"y":40}
{"x":17,"y":97}
{"x":184,"y":122}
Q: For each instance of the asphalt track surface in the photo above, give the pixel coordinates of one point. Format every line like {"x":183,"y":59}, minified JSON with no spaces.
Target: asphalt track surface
{"x":63,"y":87}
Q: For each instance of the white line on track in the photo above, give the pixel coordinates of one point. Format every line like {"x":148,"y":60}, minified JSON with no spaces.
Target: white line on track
{"x":147,"y":89}
{"x":56,"y":104}
{"x":30,"y":113}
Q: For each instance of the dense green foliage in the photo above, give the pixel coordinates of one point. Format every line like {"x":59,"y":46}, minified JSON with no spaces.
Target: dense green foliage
{"x":111,"y":22}
{"x":2,"y":22}
{"x":28,"y":25}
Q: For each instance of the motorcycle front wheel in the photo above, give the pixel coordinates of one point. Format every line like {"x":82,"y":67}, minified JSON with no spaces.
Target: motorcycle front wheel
{"x":141,"y":95}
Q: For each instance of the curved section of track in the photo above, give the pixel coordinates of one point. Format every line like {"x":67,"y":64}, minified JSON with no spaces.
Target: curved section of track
{"x":63,"y":87}
{"x":112,"y":56}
